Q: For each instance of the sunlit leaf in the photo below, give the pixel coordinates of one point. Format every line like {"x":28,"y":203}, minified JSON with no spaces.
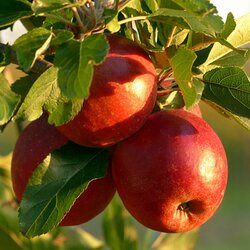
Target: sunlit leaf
{"x":239,"y":37}
{"x":229,"y":26}
{"x":233,"y":59}
{"x":46,"y":94}
{"x":8,"y":101}
{"x":186,"y":20}
{"x":182,"y":63}
{"x":31,"y":45}
{"x":201,"y":6}
{"x":76,"y":61}
{"x":56,"y":184}
{"x":229,"y":88}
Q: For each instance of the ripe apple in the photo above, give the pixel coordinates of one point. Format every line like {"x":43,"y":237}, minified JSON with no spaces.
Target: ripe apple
{"x":195,"y":110}
{"x":171,"y":175}
{"x":122,"y":96}
{"x":37,"y":141}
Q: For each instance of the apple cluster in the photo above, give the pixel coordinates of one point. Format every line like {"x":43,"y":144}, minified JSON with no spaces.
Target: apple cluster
{"x":169,"y":167}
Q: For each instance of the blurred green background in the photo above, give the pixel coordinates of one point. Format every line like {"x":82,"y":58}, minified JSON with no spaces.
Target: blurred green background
{"x":229,"y":228}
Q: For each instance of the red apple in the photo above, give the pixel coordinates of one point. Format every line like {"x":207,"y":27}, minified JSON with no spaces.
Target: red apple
{"x":195,"y":110}
{"x":122,"y":96}
{"x":37,"y":141}
{"x":171,"y":175}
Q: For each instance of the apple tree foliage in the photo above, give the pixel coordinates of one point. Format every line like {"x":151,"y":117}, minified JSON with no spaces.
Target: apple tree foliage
{"x":192,"y":48}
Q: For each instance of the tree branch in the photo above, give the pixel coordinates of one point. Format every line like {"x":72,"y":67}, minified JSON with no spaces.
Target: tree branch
{"x":39,"y":66}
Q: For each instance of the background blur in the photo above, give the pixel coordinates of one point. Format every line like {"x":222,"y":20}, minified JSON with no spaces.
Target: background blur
{"x":229,"y":229}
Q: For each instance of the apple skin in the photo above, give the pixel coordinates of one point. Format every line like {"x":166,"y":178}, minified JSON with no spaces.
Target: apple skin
{"x":195,"y":110}
{"x":92,"y":202}
{"x":122,"y":95}
{"x":38,"y":140}
{"x":172,"y":174}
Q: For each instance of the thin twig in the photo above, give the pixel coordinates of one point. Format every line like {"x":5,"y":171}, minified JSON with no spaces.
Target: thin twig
{"x":93,"y":14}
{"x":78,"y":19}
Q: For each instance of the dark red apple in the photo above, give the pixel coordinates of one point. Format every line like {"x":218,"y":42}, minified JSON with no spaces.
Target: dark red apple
{"x":171,"y":175}
{"x":37,"y":141}
{"x":122,"y":96}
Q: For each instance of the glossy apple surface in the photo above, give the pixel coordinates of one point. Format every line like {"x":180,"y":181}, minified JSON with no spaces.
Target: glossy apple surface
{"x":37,"y":141}
{"x":122,"y":96}
{"x":171,"y":175}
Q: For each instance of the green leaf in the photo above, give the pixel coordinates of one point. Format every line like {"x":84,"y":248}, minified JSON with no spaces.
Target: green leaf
{"x":31,"y":45}
{"x":76,"y":61}
{"x":23,"y":85}
{"x":229,"y":26}
{"x":111,"y":21}
{"x":233,"y":59}
{"x":181,"y":241}
{"x":239,"y":37}
{"x":41,"y":6}
{"x":46,"y":94}
{"x":169,"y":4}
{"x":200,"y":7}
{"x":63,"y":111}
{"x":185,"y":20}
{"x":153,"y":5}
{"x":230,"y":89}
{"x":94,"y":50}
{"x":55,"y":185}
{"x":173,"y":100}
{"x":214,"y":22}
{"x":61,"y":37}
{"x":5,"y":56}
{"x":182,"y":63}
{"x":118,"y":227}
{"x":198,"y":41}
{"x":13,"y":10}
{"x":8,"y":101}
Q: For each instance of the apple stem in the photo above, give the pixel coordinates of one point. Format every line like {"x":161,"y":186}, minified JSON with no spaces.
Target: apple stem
{"x":185,"y":207}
